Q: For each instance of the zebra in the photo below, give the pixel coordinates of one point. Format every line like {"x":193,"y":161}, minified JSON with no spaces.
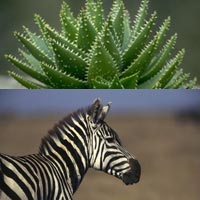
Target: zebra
{"x":80,"y":141}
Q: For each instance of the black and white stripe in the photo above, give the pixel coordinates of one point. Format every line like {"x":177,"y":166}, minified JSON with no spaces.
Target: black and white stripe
{"x":78,"y":142}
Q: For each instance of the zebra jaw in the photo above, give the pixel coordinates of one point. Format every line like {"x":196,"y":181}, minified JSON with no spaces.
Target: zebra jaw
{"x":133,"y":175}
{"x":130,"y":177}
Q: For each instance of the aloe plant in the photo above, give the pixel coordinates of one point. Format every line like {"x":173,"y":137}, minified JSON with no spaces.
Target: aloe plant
{"x":92,"y":51}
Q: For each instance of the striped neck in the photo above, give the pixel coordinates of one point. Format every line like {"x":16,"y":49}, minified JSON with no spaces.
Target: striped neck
{"x":68,"y":143}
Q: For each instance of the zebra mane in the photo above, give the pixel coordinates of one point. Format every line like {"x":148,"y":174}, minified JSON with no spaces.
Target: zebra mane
{"x":54,"y":132}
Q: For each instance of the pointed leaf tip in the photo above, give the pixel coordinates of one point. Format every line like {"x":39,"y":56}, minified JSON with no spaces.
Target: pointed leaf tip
{"x":101,"y":64}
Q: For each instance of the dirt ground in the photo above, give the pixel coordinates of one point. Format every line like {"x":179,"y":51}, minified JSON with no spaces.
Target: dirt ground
{"x":168,"y":150}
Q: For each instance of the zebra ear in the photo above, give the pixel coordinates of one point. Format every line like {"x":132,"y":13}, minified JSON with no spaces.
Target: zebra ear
{"x":105,"y":111}
{"x":98,"y":111}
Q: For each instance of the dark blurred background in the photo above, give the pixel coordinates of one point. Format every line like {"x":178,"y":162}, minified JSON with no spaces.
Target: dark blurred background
{"x":185,"y":21}
{"x":160,"y":127}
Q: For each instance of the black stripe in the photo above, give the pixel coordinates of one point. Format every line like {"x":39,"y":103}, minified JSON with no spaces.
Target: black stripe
{"x":59,"y":185}
{"x":52,"y":191}
{"x":10,"y":193}
{"x":119,"y":170}
{"x":32,"y":158}
{"x":63,"y":180}
{"x":75,"y":138}
{"x":85,"y":133}
{"x":3,"y":187}
{"x":31,"y":169}
{"x":78,"y":130}
{"x":112,"y":160}
{"x":47,"y":174}
{"x":100,"y":146}
{"x":59,"y":190}
{"x":13,"y":176}
{"x":95,"y":143}
{"x":33,"y":165}
{"x":20,"y":170}
{"x":55,"y":158}
{"x":111,"y":153}
{"x":74,"y":153}
{"x":59,"y":165}
{"x":59,"y":181}
{"x":118,"y":164}
{"x":68,"y":161}
{"x":59,"y":176}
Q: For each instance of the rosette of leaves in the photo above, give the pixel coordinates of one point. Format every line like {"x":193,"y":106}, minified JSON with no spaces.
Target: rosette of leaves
{"x":94,"y":51}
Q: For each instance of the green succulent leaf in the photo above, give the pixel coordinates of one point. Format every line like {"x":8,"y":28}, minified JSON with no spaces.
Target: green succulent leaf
{"x":101,"y":64}
{"x":116,"y":84}
{"x":178,"y":80}
{"x":130,"y":82}
{"x":159,"y":60}
{"x":31,"y":60}
{"x":28,"y":70}
{"x":127,"y":31}
{"x":140,"y":17}
{"x":118,"y":23}
{"x":137,"y":44}
{"x":162,"y":32}
{"x":190,"y":84}
{"x":35,"y":50}
{"x":95,"y":13}
{"x":42,"y":27}
{"x":171,"y":68}
{"x":98,"y":51}
{"x":86,"y":33}
{"x":39,"y":42}
{"x":62,"y":80}
{"x":54,"y":35}
{"x":139,"y":64}
{"x":68,"y":22}
{"x":100,"y":83}
{"x":110,"y":44}
{"x":26,"y":83}
{"x":161,"y":79}
{"x":69,"y":61}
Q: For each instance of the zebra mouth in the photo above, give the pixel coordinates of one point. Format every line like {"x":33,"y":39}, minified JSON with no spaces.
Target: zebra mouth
{"x":129,"y":178}
{"x":133,"y":175}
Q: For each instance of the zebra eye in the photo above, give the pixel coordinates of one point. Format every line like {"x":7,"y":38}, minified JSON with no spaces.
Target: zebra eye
{"x":110,"y":139}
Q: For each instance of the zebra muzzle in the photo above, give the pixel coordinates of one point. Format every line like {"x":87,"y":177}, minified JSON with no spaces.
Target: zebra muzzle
{"x":133,"y":175}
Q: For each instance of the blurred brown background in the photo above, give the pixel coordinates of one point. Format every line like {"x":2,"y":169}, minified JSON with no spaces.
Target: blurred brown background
{"x":166,"y":141}
{"x":185,"y":21}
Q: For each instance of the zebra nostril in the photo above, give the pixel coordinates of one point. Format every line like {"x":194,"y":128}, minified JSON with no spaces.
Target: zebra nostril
{"x":133,"y":175}
{"x":135,"y":168}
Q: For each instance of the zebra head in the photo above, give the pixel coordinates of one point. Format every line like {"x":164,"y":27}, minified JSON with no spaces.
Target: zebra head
{"x":106,"y":151}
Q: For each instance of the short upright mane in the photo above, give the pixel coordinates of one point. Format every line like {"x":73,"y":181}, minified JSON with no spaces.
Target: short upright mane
{"x":66,"y":120}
